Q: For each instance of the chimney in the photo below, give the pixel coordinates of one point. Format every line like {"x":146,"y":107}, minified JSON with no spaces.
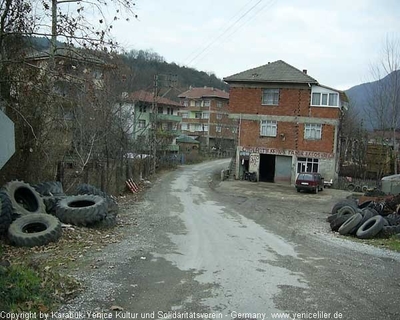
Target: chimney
{"x":305,"y":71}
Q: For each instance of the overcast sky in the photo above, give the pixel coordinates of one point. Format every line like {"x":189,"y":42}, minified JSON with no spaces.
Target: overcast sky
{"x":335,"y":40}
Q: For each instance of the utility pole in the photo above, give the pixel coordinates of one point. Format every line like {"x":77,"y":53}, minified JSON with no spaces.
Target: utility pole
{"x":167,"y":81}
{"x":153,"y":119}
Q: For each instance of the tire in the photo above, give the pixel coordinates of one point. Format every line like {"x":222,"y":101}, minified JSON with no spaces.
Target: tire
{"x":367,"y":213}
{"x":6,"y":216}
{"x":364,"y":189}
{"x":346,"y":211}
{"x":50,"y":188}
{"x":109,"y":221}
{"x":342,"y":203}
{"x":24,"y":199}
{"x":332,"y":217}
{"x":387,"y":232}
{"x":34,"y":230}
{"x":336,"y":224}
{"x":351,"y":187}
{"x":51,"y":203}
{"x":365,"y":204}
{"x":82,"y":210}
{"x":370,"y":228}
{"x":352,"y":223}
{"x":89,"y":189}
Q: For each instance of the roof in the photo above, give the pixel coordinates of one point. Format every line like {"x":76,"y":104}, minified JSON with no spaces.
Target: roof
{"x":205,"y":92}
{"x":183,"y":138}
{"x":343,"y":95}
{"x":278,"y":71}
{"x":145,"y":96}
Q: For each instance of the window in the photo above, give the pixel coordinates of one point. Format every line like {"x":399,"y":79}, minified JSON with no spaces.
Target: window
{"x":160,"y":110}
{"x":325,"y":99}
{"x":184,"y":115}
{"x":312,"y":131}
{"x":170,"y":111}
{"x":142,"y":108}
{"x":198,"y":103}
{"x":270,"y":97}
{"x":199,"y":127}
{"x":333,"y":99}
{"x":192,"y":103}
{"x":198,"y":115}
{"x":184,"y":126}
{"x":218,"y":128}
{"x":219,"y":104}
{"x":207,"y":103}
{"x":268,"y":128}
{"x":142,"y":124}
{"x":307,"y":165}
{"x":205,"y":128}
{"x":205,"y":115}
{"x":186,"y":103}
{"x":219,"y":116}
{"x":191,"y":127}
{"x":234,"y":130}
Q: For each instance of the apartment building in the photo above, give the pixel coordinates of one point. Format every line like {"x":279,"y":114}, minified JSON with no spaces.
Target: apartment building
{"x":205,"y":117}
{"x":288,"y":123}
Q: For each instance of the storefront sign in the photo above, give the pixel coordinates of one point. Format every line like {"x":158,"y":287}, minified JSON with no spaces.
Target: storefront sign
{"x":289,"y":152}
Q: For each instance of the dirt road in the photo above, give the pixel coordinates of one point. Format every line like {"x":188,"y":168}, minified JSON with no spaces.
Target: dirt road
{"x":236,"y":249}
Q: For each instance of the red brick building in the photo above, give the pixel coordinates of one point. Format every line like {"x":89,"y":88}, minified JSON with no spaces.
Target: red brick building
{"x":288,"y":123}
{"x":204,"y":115}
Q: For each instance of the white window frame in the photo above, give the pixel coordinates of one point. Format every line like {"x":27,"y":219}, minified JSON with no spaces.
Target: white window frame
{"x":205,"y":115}
{"x":207,"y":103}
{"x":219,"y":104}
{"x":307,"y":165}
{"x":192,"y":103}
{"x":205,"y":128}
{"x":184,"y":115}
{"x":198,"y":115}
{"x":219,"y":116}
{"x":184,"y":126}
{"x":198,"y":127}
{"x":312,"y":131}
{"x":198,"y":103}
{"x":186,"y":103}
{"x":268,"y":128}
{"x":270,"y":97}
{"x":329,"y":97}
{"x":218,"y":128}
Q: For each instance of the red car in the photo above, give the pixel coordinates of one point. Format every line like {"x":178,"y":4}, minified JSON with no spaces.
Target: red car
{"x":309,"y":181}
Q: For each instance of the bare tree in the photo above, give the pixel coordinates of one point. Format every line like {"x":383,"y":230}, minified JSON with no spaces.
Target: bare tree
{"x":384,"y":98}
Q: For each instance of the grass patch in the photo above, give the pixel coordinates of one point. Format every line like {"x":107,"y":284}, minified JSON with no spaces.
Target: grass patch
{"x":392,"y":243}
{"x":33,"y":289}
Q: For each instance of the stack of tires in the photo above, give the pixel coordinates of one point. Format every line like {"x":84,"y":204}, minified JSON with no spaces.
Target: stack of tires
{"x":365,"y":221}
{"x":32,"y":215}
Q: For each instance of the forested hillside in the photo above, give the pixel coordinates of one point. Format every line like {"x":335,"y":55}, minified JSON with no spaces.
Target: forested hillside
{"x":145,"y":64}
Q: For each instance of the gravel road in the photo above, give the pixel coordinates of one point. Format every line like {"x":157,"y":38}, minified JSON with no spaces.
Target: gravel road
{"x":235,"y":249}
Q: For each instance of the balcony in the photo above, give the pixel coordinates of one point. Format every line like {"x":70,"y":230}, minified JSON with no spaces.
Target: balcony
{"x":165,"y":117}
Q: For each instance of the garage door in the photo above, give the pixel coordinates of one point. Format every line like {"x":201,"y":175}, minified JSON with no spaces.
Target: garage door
{"x":283,"y":169}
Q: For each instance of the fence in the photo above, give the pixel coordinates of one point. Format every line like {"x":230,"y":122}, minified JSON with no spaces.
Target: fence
{"x":354,"y":184}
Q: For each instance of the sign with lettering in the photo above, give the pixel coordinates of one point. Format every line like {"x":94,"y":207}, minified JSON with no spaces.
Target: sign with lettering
{"x":289,"y":152}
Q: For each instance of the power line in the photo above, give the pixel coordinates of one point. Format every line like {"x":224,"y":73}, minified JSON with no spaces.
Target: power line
{"x":225,"y":31}
{"x":230,"y":19}
{"x":269,"y":4}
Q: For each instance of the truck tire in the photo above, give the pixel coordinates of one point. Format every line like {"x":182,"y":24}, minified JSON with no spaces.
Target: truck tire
{"x":350,"y":224}
{"x":370,"y":228}
{"x":51,"y":203}
{"x":24,"y":199}
{"x":5,"y":213}
{"x":82,"y":210}
{"x":342,"y":203}
{"x":336,"y":224}
{"x":34,"y":230}
{"x":89,"y":189}
{"x":49,"y":188}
